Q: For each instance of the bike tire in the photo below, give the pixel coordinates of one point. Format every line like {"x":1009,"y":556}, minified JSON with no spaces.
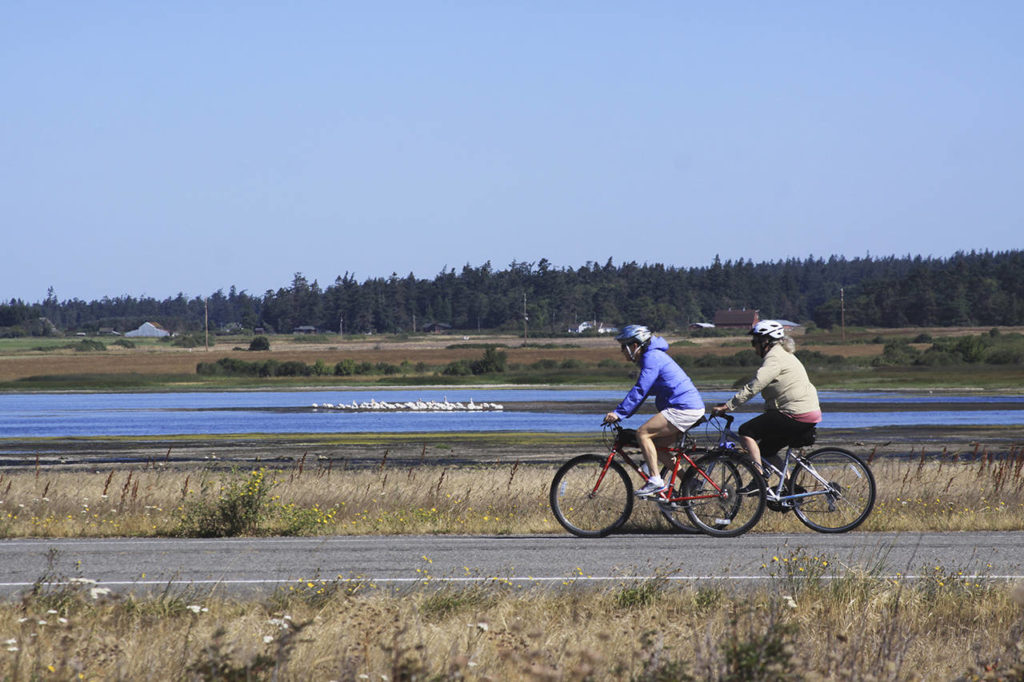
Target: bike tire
{"x":725,"y":513}
{"x":844,"y":501}
{"x":584,"y":508}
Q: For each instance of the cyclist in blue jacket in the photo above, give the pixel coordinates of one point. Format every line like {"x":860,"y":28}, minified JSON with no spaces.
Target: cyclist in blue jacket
{"x":677,"y":399}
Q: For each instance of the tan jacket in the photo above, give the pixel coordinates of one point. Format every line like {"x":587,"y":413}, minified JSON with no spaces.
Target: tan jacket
{"x":782,"y":381}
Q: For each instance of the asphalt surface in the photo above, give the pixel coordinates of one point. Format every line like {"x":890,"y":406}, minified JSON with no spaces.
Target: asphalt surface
{"x":237,"y":567}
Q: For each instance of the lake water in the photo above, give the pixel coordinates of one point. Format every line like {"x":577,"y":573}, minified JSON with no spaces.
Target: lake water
{"x":56,"y":415}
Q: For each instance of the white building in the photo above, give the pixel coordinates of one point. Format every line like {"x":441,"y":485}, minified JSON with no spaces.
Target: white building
{"x":149,"y":330}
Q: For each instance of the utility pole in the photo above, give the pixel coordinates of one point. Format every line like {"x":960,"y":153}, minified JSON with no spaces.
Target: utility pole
{"x":206,"y":321}
{"x":842,"y":313}
{"x":341,"y":325}
{"x":526,"y":318}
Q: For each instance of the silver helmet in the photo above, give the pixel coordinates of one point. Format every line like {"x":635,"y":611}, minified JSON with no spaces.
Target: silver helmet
{"x":634,"y":333}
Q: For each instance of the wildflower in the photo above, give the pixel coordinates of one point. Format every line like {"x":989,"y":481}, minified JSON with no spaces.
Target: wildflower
{"x":267,"y":639}
{"x":790,"y":602}
{"x":195,"y":608}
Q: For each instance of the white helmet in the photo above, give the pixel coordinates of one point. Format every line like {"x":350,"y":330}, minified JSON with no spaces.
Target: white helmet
{"x":768,"y":329}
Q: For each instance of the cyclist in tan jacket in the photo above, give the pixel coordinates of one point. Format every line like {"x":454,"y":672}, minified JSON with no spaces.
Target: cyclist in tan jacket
{"x":790,"y":399}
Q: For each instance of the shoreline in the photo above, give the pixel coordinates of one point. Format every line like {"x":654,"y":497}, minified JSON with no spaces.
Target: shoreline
{"x":455,"y":449}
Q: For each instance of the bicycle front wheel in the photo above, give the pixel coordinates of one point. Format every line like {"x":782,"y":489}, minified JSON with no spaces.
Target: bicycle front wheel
{"x":588,"y":500}
{"x":836,"y":488}
{"x":728,"y":492}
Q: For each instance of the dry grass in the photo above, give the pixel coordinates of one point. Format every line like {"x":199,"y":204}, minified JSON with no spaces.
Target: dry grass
{"x":857,"y":627}
{"x":934,"y":493}
{"x":810,"y":623}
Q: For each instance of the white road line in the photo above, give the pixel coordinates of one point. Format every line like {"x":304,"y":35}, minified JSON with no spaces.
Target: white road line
{"x":528,"y":579}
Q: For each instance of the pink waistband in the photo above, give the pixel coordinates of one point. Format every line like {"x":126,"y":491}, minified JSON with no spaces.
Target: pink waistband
{"x":808,"y":417}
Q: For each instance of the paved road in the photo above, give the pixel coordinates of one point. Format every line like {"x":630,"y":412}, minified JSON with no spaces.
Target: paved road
{"x":246,"y":565}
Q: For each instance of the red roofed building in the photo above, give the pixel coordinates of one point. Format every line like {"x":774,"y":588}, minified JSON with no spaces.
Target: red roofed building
{"x":736,"y":319}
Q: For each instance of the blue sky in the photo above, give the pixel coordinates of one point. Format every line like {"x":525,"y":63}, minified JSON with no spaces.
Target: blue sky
{"x":151,"y":148}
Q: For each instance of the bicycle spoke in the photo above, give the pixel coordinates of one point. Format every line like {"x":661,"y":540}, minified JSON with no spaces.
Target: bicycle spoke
{"x":836,"y":490}
{"x":727,"y":499}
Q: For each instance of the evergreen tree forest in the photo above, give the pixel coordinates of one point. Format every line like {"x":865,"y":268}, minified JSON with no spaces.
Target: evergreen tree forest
{"x":966,"y":289}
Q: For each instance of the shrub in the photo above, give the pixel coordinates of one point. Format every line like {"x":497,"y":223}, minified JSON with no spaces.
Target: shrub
{"x":387,"y":368}
{"x":345,"y":368}
{"x":259,"y":343}
{"x":190,"y":341}
{"x":238,"y":509}
{"x":86,"y":345}
{"x":492,"y":361}
{"x":457,"y":368}
{"x":124,"y":343}
{"x":293,"y":368}
{"x":896,"y":353}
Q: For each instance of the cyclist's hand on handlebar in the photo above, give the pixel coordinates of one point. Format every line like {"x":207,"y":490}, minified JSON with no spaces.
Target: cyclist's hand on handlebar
{"x":718,"y":410}
{"x":610,"y":418}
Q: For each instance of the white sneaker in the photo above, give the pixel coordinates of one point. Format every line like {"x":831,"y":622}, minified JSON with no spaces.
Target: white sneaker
{"x":653,"y":486}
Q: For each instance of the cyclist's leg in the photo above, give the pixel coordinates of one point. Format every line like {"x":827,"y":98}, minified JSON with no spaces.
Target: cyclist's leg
{"x":663,"y":430}
{"x":656,"y":432}
{"x":764,"y":435}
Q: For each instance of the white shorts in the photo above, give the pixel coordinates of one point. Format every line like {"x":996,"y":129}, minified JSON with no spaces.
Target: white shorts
{"x":681,"y":419}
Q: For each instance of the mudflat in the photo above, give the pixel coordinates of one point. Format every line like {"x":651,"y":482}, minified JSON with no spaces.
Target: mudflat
{"x":362,"y":450}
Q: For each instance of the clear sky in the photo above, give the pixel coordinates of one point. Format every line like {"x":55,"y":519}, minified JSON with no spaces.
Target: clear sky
{"x":150,"y":148}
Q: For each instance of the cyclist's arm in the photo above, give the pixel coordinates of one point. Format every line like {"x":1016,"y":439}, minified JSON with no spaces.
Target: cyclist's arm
{"x":765,"y":375}
{"x":636,"y":396}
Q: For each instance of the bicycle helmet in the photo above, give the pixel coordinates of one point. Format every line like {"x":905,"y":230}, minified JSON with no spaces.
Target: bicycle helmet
{"x":634,"y":333}
{"x":768,"y":329}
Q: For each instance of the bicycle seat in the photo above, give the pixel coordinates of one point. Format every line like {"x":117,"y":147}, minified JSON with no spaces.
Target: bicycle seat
{"x":804,"y":439}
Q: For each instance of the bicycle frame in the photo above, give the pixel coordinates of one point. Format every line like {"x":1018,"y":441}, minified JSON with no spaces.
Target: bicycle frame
{"x":676,"y":452}
{"x":728,"y":438}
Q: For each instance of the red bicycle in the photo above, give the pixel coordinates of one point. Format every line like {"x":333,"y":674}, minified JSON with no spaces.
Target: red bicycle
{"x":719,"y":491}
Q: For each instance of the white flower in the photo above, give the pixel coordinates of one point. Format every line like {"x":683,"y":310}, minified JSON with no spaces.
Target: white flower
{"x":280,"y":622}
{"x":52,"y":611}
{"x":11,"y":642}
{"x":12,"y":648}
{"x":195,"y":608}
{"x":41,"y":622}
{"x":267,"y":639}
{"x":790,"y":602}
{"x":62,"y":621}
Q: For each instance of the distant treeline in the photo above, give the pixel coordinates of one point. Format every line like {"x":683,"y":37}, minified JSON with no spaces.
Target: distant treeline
{"x":967,"y":289}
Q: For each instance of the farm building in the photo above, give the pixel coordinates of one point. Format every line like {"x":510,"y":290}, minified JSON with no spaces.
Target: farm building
{"x":148,"y":330}
{"x":736,"y":319}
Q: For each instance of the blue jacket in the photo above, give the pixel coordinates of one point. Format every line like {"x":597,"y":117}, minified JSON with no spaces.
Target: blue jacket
{"x":660,"y":375}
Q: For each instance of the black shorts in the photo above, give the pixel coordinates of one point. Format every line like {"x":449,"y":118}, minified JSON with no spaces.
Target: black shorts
{"x":772,"y":431}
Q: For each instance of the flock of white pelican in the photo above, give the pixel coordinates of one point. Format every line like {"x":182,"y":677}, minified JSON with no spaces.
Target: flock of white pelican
{"x":418,"y":405}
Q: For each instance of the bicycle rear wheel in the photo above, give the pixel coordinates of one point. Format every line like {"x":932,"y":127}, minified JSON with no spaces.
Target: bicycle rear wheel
{"x":723,"y":510}
{"x":587,"y":504}
{"x":841,"y":494}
